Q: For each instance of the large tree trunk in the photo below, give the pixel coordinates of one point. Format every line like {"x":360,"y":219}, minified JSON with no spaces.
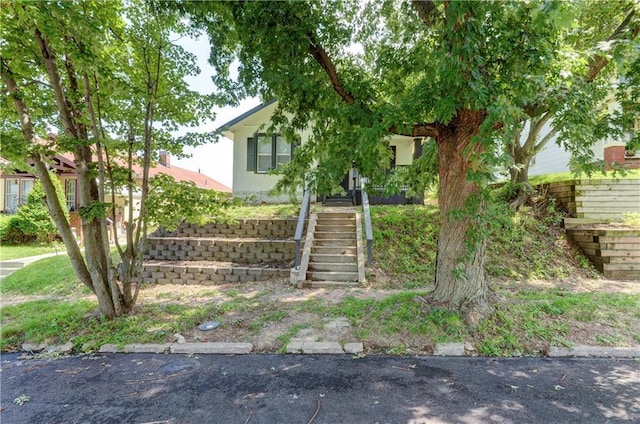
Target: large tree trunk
{"x":460,"y":277}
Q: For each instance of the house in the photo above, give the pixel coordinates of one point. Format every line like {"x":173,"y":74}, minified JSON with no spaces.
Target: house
{"x":15,"y":185}
{"x":256,"y":153}
{"x":554,"y":158}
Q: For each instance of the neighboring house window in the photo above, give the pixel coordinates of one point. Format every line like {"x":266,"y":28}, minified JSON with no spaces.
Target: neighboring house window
{"x":266,"y":152}
{"x":12,"y":197}
{"x":70,"y":194}
{"x":17,"y":191}
{"x":25,"y":189}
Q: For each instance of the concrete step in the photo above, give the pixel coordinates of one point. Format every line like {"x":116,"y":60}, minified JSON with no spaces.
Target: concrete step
{"x":332,"y":276}
{"x":335,"y":242}
{"x":336,"y":215}
{"x":351,"y":235}
{"x":334,"y":250}
{"x":330,"y":284}
{"x":333,"y":267}
{"x":340,"y":228}
{"x":336,"y":221}
{"x":335,"y":259}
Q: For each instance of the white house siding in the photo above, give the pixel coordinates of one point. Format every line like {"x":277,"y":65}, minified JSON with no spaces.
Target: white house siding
{"x":404,"y":149}
{"x":249,"y":184}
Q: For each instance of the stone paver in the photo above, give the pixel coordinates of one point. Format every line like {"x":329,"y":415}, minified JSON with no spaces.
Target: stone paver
{"x":449,"y":349}
{"x":594,"y":351}
{"x":147,"y":348}
{"x":322,"y":347}
{"x":212,"y":347}
{"x":354,"y":347}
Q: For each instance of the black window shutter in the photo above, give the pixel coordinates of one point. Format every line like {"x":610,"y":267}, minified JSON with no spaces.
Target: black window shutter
{"x":251,"y":154}
{"x":294,"y":146}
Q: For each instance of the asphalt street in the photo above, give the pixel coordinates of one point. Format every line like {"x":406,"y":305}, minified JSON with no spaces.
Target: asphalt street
{"x":161,"y":388}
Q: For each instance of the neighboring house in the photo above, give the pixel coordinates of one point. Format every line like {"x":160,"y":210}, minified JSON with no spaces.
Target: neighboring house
{"x":554,"y":158}
{"x":255,"y":154}
{"x":15,"y":186}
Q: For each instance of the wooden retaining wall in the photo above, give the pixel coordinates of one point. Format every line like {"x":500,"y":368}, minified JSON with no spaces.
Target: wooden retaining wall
{"x":613,"y":251}
{"x":597,"y":199}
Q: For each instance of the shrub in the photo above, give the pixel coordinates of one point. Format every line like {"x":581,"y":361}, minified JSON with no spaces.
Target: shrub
{"x":33,"y":222}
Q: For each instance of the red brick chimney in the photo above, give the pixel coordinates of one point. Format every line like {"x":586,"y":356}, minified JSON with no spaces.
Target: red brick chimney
{"x":165,"y":158}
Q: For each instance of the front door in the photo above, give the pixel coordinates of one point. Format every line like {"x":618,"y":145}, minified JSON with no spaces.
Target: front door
{"x":345,"y":182}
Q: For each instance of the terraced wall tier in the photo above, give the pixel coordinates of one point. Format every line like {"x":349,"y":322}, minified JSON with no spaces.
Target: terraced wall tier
{"x":207,"y":274}
{"x":613,"y":251}
{"x":247,"y":251}
{"x":245,"y":228}
{"x":597,"y":199}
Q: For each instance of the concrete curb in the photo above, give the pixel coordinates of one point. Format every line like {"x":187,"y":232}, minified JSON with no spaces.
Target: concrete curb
{"x":323,"y":348}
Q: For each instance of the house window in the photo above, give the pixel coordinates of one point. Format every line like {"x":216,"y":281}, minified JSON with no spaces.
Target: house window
{"x":266,"y":152}
{"x":17,"y":191}
{"x":25,"y":189}
{"x":70,"y":194}
{"x":12,"y":196}
{"x":283,"y":151}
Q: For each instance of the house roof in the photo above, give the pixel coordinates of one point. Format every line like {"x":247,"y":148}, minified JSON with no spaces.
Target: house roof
{"x":181,"y":174}
{"x":226,"y":126}
{"x":65,"y":162}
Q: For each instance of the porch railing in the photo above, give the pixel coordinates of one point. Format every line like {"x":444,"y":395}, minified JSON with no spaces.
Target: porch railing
{"x":304,"y":213}
{"x":368,"y":229}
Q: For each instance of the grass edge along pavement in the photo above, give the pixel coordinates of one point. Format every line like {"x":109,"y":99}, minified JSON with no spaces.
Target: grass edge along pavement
{"x":528,"y":320}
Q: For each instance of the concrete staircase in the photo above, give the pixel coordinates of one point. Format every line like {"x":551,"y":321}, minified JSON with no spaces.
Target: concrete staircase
{"x":333,"y":254}
{"x":338,"y":201}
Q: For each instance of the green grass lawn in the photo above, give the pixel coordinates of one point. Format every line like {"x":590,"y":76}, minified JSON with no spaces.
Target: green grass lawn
{"x":8,"y":252}
{"x":566,"y":176}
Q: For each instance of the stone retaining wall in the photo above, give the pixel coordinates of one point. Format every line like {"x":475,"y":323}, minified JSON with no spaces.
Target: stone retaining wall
{"x":245,"y":228}
{"x":169,"y":273}
{"x":248,"y":251}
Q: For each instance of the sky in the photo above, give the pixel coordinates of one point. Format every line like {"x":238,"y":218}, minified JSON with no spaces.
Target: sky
{"x":214,"y":160}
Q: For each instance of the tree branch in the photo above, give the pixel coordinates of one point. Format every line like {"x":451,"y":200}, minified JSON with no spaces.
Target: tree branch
{"x":534,"y":130}
{"x":598,"y":62}
{"x":54,"y":78}
{"x":322,"y":57}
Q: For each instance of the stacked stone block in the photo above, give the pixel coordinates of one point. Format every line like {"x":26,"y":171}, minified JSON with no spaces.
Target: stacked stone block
{"x":240,"y":251}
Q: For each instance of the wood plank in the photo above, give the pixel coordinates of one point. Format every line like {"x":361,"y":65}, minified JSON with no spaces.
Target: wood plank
{"x":592,"y":232}
{"x":627,"y":181}
{"x":602,"y":207}
{"x":626,"y":188}
{"x":623,"y":275}
{"x":632,"y":238}
{"x":591,"y":252}
{"x":623,"y":260}
{"x":620,"y":246}
{"x":626,"y":253}
{"x":622,"y":267}
{"x":611,"y":216}
{"x":584,"y":239}
{"x":586,"y":245}
{"x":608,"y":196}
